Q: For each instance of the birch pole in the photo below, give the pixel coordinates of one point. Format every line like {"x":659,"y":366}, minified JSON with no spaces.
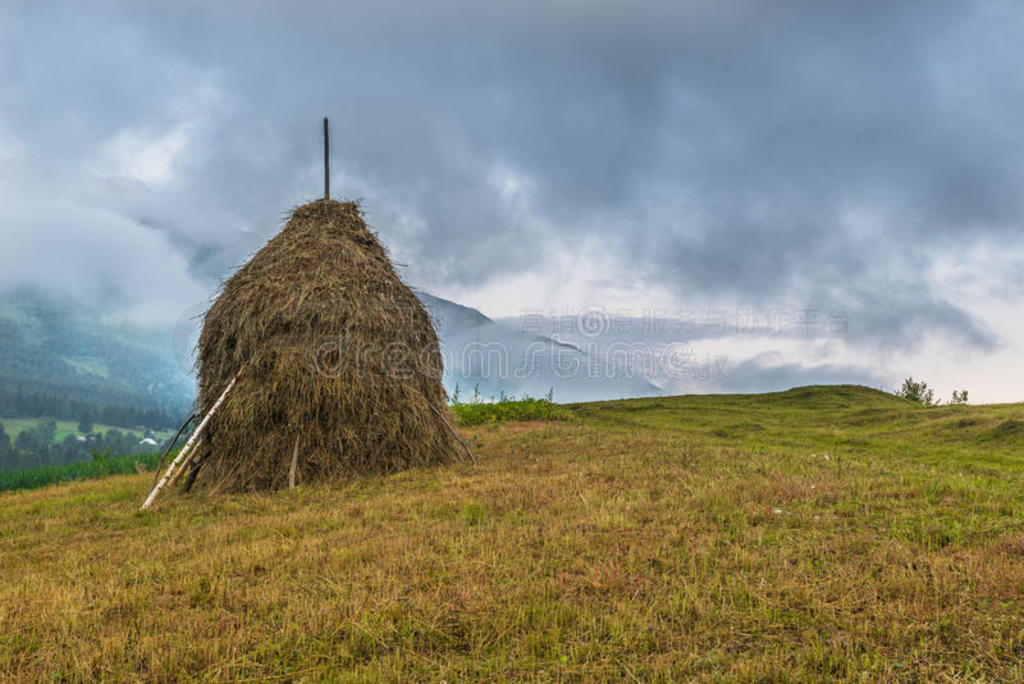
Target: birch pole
{"x":188,"y":446}
{"x":184,"y":464}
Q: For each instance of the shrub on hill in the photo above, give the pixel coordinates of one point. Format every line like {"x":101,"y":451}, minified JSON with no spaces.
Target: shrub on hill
{"x":917,"y":391}
{"x":920,"y":393}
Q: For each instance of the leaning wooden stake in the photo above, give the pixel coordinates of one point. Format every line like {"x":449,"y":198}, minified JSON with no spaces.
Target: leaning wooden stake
{"x":455,"y":434}
{"x":170,"y":445}
{"x":184,"y":464}
{"x":188,"y":446}
{"x":295,"y":464}
{"x":191,"y":479}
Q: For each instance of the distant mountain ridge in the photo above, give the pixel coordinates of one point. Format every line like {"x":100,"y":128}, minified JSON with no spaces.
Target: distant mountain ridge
{"x":449,"y":317}
{"x":486,"y":359}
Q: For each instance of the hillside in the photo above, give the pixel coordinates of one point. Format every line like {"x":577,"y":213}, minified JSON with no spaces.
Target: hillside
{"x":817,"y":534}
{"x":63,"y":361}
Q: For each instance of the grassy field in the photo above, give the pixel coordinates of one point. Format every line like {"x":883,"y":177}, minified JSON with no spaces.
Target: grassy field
{"x":818,"y":534}
{"x":13,"y":426}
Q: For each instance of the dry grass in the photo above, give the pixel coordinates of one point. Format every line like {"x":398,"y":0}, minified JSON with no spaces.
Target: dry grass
{"x":837,"y":535}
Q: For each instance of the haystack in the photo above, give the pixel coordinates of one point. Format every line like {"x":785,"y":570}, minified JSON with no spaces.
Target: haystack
{"x":337,"y":363}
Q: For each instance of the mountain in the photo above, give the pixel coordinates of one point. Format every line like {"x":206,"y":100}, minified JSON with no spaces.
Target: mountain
{"x":488,"y":358}
{"x":451,"y":318}
{"x":60,"y":360}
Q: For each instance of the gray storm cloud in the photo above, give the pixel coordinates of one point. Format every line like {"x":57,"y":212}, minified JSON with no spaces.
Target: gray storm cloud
{"x":760,"y":151}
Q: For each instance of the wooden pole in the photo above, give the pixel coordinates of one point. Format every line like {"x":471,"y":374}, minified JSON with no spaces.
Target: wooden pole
{"x":327,"y":161}
{"x":184,"y":465}
{"x":191,"y":479}
{"x":170,"y":445}
{"x":295,"y":464}
{"x":455,"y":434}
{"x":188,"y":446}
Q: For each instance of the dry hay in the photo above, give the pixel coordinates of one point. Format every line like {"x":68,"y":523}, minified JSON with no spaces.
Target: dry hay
{"x":334,"y":352}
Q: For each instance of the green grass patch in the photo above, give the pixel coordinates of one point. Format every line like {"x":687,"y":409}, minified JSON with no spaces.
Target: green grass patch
{"x":506,"y":410}
{"x":101,"y":466}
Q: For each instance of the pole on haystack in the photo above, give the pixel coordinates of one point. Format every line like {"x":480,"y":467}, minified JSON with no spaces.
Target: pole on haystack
{"x":327,"y":161}
{"x":188,"y":446}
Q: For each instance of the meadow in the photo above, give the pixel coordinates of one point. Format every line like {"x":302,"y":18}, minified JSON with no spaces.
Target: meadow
{"x":824,"y":533}
{"x":14,"y":426}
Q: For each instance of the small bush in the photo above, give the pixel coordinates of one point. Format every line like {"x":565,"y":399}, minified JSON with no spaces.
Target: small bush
{"x":509,"y":409}
{"x":917,"y":392}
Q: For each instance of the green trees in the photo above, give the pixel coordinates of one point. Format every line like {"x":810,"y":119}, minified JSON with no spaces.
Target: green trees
{"x":85,"y":422}
{"x":38,"y":445}
{"x":6,"y":451}
{"x":26,"y":398}
{"x":920,"y":393}
{"x":47,"y":429}
{"x":28,"y":440}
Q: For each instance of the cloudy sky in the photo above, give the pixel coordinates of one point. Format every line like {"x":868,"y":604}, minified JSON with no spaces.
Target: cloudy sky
{"x":699,"y":160}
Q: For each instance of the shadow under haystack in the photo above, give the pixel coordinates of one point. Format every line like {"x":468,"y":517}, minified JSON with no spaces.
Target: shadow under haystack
{"x":338,"y":364}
